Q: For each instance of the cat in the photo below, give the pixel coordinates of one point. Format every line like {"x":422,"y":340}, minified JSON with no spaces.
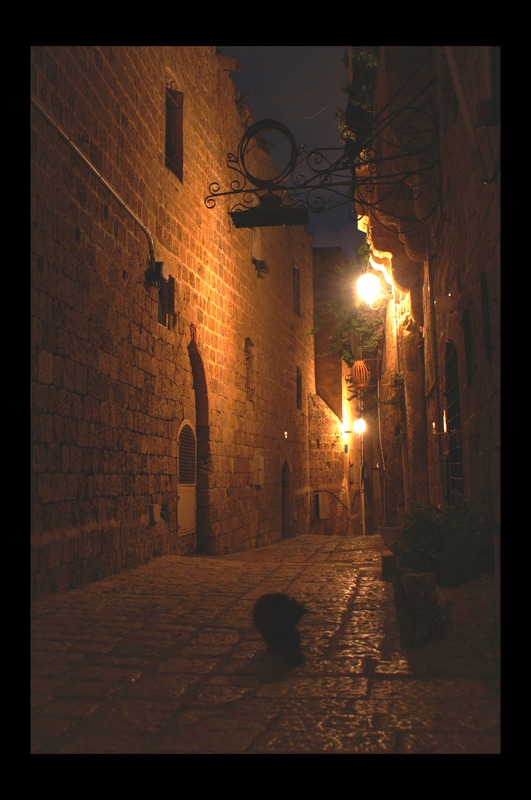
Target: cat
{"x":276,"y":616}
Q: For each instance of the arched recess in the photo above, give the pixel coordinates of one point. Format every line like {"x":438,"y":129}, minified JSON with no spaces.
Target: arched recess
{"x":203,"y":445}
{"x":453,"y":423}
{"x":287,"y":501}
{"x":187,"y":451}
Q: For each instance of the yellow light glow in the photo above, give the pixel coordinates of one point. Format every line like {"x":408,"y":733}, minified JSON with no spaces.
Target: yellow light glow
{"x":368,"y":287}
{"x":383,"y":269}
{"x":360,"y":425}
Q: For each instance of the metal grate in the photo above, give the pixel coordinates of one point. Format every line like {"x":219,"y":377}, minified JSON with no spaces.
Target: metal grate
{"x":187,"y":456}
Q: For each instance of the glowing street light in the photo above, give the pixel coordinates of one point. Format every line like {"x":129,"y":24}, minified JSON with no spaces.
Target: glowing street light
{"x":359,"y":427}
{"x":368,"y":287}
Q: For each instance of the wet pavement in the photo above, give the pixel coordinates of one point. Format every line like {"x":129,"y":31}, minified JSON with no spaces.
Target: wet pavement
{"x":163,"y":659}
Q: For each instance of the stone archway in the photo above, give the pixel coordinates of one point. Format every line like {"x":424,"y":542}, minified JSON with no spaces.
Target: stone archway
{"x":203,"y":446}
{"x":187,"y":500}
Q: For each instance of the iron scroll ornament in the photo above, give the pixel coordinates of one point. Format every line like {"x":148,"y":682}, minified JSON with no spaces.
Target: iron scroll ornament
{"x":255,"y":131}
{"x":263,"y":201}
{"x":387,"y":180}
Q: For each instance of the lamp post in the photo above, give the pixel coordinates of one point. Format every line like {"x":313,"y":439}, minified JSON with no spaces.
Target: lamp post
{"x":359,"y":427}
{"x":368,"y":287}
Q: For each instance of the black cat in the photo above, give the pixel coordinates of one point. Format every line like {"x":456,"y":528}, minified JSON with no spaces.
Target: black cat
{"x":276,"y":617}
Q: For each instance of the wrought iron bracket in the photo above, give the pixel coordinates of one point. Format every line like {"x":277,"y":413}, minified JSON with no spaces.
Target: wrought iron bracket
{"x":390,"y":171}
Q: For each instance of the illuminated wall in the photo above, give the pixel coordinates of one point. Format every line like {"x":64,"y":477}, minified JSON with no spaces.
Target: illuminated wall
{"x":127,"y":368}
{"x":448,"y":267}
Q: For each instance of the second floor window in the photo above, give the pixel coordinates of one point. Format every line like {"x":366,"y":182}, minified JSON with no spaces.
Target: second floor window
{"x":296,"y":291}
{"x":299,"y":388}
{"x":174,"y":132}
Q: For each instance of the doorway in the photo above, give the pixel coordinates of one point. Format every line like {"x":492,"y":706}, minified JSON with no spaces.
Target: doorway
{"x":186,"y":499}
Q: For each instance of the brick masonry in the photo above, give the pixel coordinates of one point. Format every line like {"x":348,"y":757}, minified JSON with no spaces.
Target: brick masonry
{"x":111,"y":386}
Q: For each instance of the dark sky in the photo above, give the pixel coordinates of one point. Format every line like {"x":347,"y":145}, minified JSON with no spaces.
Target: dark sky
{"x":303,"y":88}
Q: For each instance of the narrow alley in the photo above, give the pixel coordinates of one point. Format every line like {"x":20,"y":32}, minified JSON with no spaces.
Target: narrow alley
{"x":163,"y":659}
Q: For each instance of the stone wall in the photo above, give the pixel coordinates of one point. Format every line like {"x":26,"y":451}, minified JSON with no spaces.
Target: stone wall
{"x":449,"y":272}
{"x":467,"y":260}
{"x":328,"y":471}
{"x":111,"y":386}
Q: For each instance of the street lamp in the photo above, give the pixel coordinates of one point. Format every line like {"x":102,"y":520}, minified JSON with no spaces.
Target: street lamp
{"x":368,"y":287}
{"x":359,"y":427}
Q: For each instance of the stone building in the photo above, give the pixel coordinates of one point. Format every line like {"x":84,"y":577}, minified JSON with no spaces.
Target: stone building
{"x":434,"y":229}
{"x":422,"y":138}
{"x":178,"y":402}
{"x":173,"y":401}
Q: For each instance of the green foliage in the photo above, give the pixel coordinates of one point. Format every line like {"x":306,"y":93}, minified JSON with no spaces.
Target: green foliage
{"x":360,"y":328}
{"x":366,"y":324}
{"x":355,"y":122}
{"x":364,"y":63}
{"x":454,"y":542}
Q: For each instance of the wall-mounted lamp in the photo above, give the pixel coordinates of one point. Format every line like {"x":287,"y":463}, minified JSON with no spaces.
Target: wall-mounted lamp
{"x":369,"y":289}
{"x":360,"y":425}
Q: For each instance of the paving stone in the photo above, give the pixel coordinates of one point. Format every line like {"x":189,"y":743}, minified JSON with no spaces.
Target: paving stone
{"x":163,"y":658}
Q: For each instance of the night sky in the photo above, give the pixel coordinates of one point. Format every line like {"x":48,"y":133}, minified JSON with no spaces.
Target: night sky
{"x":303,"y":88}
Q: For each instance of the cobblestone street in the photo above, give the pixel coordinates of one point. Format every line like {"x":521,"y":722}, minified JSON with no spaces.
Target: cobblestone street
{"x":163,"y":659}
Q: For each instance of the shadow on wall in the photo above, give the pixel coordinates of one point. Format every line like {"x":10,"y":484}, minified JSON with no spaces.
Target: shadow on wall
{"x":203,"y":535}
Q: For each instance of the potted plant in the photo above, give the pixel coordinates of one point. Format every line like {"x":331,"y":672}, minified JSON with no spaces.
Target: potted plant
{"x":438,"y":548}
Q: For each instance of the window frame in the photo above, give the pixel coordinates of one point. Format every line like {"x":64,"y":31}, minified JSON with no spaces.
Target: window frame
{"x":296,"y":290}
{"x":174,"y":131}
{"x":299,"y":388}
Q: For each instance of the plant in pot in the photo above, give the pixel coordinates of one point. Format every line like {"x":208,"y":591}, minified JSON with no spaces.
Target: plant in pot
{"x":438,"y":547}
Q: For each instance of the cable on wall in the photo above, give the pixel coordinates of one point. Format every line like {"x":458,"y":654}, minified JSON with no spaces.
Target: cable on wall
{"x":100,"y":177}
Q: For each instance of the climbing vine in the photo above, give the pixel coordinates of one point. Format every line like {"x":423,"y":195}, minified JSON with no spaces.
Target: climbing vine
{"x":355,"y":122}
{"x":358,"y":332}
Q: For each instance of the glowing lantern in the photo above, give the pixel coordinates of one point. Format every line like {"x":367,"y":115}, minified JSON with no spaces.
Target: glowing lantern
{"x":368,"y":287}
{"x":359,"y":425}
{"x":360,"y":374}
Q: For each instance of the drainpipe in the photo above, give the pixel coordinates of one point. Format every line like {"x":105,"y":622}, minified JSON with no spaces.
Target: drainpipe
{"x":100,"y":177}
